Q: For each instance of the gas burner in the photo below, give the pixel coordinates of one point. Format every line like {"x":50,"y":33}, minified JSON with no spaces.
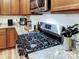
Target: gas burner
{"x":33,"y":45}
{"x":35,"y":41}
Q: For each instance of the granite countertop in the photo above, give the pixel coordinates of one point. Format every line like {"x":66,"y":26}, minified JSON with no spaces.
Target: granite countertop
{"x":19,"y":28}
{"x":56,"y":52}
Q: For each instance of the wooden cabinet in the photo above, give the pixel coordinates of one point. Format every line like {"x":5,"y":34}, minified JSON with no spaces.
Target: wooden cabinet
{"x":11,"y":37}
{"x":14,"y":7}
{"x":8,"y":38}
{"x":28,"y":7}
{"x":5,"y":7}
{"x":24,"y":7}
{"x":2,"y":38}
{"x":0,"y":5}
{"x":63,"y":5}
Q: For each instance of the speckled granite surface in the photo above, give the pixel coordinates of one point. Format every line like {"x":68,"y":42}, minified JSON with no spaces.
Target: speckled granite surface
{"x":20,"y":29}
{"x":56,"y":52}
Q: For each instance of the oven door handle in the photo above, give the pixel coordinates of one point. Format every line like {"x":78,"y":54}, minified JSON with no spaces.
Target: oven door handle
{"x":37,"y":5}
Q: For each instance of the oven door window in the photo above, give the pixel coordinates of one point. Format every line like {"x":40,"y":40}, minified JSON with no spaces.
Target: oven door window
{"x":41,"y":3}
{"x":33,"y":4}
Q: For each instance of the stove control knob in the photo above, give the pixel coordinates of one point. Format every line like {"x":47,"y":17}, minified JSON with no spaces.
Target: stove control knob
{"x":18,"y":46}
{"x":20,"y":52}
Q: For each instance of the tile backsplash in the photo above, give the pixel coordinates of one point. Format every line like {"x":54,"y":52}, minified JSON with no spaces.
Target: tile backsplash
{"x":5,"y":18}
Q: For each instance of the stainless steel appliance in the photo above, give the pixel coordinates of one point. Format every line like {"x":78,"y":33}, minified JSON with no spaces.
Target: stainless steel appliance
{"x":23,"y":21}
{"x":36,"y":41}
{"x":39,"y":5}
{"x":51,"y":27}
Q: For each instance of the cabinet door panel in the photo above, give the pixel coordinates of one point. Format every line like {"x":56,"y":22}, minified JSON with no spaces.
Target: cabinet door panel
{"x":5,"y":7}
{"x":2,"y":38}
{"x":15,"y":7}
{"x":0,"y":5}
{"x":58,"y":5}
{"x":24,"y":7}
{"x":64,"y":2}
{"x":2,"y":41}
{"x":11,"y":40}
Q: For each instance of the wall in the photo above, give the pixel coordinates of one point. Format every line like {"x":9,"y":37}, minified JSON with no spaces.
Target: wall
{"x":35,"y":19}
{"x":4,"y":19}
{"x":60,"y":19}
{"x":64,"y":19}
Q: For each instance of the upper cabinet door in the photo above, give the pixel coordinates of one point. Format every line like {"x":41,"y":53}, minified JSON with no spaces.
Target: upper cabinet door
{"x":58,"y":5}
{"x":5,"y":7}
{"x":0,"y":5}
{"x":24,"y":7}
{"x":14,"y":7}
{"x":28,"y":7}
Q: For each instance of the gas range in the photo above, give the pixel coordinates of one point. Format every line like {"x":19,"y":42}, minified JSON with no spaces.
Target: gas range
{"x":36,"y":41}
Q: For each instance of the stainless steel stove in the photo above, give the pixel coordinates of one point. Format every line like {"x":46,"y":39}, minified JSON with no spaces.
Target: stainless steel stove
{"x":36,"y":41}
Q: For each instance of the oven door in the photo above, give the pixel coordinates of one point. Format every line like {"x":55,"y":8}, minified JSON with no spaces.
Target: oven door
{"x":33,"y":4}
{"x":38,"y":5}
{"x":42,"y":5}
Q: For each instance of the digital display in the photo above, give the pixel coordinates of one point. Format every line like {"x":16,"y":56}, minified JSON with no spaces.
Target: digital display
{"x":47,"y":26}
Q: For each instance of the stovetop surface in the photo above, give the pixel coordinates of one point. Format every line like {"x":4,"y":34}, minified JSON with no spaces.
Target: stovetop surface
{"x":35,"y":41}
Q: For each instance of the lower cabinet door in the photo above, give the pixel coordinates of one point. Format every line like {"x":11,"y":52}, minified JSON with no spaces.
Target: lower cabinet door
{"x":2,"y":41}
{"x":3,"y":38}
{"x":11,"y":37}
